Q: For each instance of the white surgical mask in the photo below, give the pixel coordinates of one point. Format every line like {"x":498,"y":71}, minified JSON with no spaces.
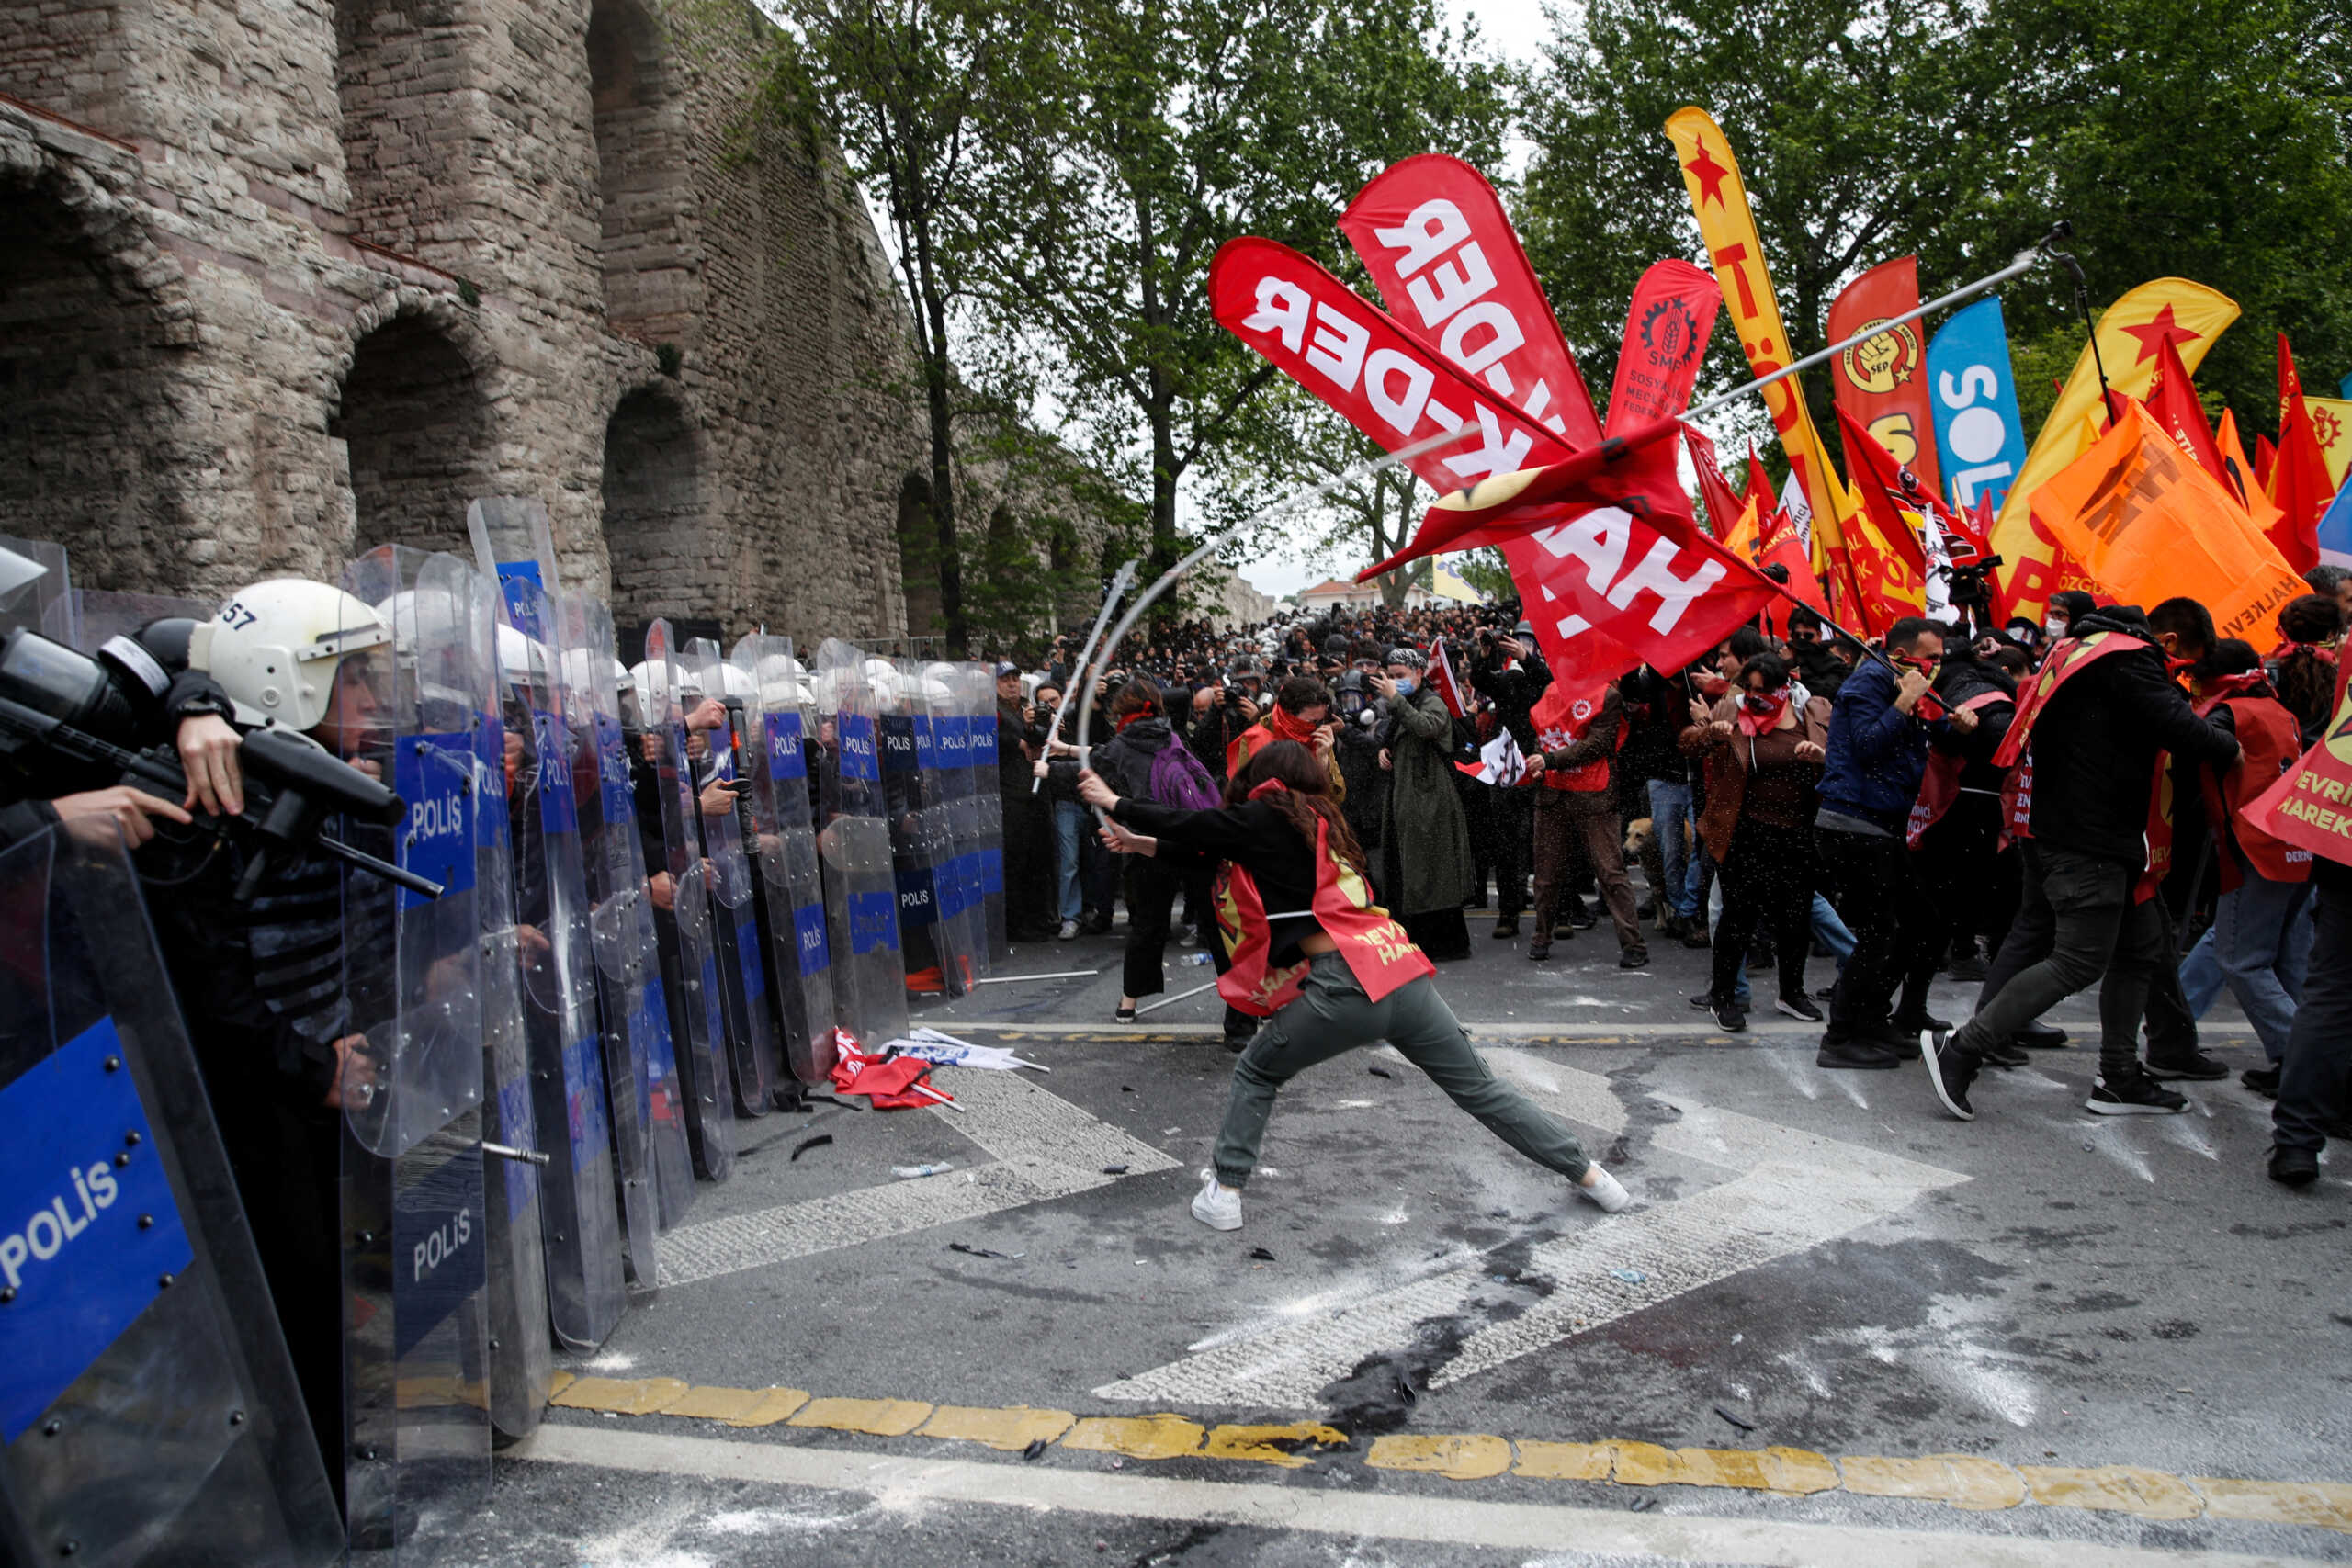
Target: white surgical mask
{"x":2054,"y":624}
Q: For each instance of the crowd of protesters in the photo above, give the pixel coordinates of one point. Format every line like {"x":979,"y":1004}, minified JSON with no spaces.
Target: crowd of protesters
{"x":1840,"y":822}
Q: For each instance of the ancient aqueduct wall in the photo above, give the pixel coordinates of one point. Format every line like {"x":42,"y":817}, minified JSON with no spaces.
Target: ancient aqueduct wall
{"x":281,"y":280}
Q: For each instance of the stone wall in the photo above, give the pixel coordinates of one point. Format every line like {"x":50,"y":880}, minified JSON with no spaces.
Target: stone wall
{"x":283,"y":279}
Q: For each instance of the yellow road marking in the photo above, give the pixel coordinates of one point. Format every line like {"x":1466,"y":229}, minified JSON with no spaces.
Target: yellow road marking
{"x":1012,"y":1429}
{"x":1959,"y":1481}
{"x":880,"y":1418}
{"x":1263,"y":1444}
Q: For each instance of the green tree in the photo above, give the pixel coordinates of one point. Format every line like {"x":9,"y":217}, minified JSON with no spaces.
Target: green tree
{"x":1150,"y":133}
{"x":904,"y":86}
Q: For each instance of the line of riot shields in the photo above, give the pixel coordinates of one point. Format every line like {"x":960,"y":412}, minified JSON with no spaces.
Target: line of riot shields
{"x":665,"y":894}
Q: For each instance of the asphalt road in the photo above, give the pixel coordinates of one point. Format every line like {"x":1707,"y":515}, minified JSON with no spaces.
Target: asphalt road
{"x":1824,"y":1284}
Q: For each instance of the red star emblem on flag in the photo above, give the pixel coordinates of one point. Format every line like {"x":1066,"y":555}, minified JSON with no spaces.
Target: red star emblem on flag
{"x":1710,"y":175}
{"x":2157,"y":332}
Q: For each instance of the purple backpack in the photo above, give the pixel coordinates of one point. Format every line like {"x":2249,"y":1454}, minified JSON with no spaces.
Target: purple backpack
{"x":1179,"y":780}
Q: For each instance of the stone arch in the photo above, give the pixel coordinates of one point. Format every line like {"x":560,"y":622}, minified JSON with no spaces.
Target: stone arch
{"x":95,"y":328}
{"x":645,"y":246}
{"x":656,"y":539}
{"x":919,"y":557}
{"x":414,"y":423}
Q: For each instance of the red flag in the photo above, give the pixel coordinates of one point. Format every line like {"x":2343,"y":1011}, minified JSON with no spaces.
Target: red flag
{"x":1782,"y":546}
{"x":1443,"y":254}
{"x":1442,"y":683}
{"x":2299,"y":481}
{"x":1512,"y":507}
{"x":2266,"y":460}
{"x":1891,"y":570}
{"x":1722,"y":507}
{"x":1355,"y":357}
{"x":2172,"y":402}
{"x":1667,"y":327}
{"x":1759,"y":483}
{"x":1881,"y":381}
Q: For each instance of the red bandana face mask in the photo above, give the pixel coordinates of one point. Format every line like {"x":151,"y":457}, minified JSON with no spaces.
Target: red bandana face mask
{"x":1288,"y":726}
{"x":1760,"y":711}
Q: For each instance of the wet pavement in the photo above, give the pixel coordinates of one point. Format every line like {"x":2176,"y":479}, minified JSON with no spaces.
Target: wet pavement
{"x":2137,"y":1347}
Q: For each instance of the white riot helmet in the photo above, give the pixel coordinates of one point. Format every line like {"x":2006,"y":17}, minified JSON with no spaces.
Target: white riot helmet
{"x":275,"y":647}
{"x":522,"y":658}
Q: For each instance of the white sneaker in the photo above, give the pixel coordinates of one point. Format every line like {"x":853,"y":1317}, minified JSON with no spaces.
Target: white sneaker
{"x":1219,"y":1208}
{"x":1070,"y":931}
{"x":1603,"y":1190}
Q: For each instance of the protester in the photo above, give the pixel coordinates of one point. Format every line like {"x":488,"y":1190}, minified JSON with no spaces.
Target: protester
{"x":1305,"y":930}
{"x":1146,"y":758}
{"x":1424,"y":871}
{"x":1654,"y":705}
{"x":2098,"y":724}
{"x":1763,"y":754}
{"x":1511,"y":674}
{"x":1576,"y":806}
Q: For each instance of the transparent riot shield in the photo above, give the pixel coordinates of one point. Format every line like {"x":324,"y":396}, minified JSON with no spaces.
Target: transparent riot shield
{"x":853,"y":847}
{"x":148,"y":1406}
{"x":581,"y":1217}
{"x":99,"y":614}
{"x":415,"y":1239}
{"x":689,"y":962}
{"x":959,"y":823}
{"x":979,"y":686}
{"x":650,"y":1146}
{"x":727,"y":841}
{"x":522,"y":1363}
{"x":38,"y":601}
{"x":910,"y":797}
{"x":775,"y":750}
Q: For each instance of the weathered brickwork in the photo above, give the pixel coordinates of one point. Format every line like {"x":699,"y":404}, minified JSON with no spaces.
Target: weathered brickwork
{"x":283,"y":279}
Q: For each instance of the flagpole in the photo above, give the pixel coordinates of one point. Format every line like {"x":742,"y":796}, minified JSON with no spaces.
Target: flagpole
{"x":2026,"y":261}
{"x":1078,"y":671}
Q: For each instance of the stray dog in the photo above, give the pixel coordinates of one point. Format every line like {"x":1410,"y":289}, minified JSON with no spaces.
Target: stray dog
{"x":1642,"y":849}
{"x":1640,"y":834}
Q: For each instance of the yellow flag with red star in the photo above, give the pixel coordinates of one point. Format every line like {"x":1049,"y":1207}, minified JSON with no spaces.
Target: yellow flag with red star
{"x":2189,"y":316}
{"x":1718,"y":197}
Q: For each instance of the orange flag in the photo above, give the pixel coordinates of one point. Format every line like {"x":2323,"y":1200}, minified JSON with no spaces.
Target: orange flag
{"x":2188,"y":315}
{"x":2299,"y":475}
{"x":2149,"y":524}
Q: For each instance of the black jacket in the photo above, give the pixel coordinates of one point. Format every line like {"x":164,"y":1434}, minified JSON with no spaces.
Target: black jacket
{"x":1963,"y":680}
{"x":1659,"y":707}
{"x":2095,"y":741}
{"x":1514,"y":692}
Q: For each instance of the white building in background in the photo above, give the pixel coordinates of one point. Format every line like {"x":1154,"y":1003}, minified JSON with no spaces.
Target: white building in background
{"x":1335,"y":591}
{"x":1228,"y":599}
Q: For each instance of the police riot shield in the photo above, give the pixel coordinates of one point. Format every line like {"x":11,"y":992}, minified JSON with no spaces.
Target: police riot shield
{"x":689,"y":962}
{"x":579,"y":1215}
{"x":987,"y":810}
{"x":727,"y":841}
{"x":522,"y":1363}
{"x":415,"y":1239}
{"x":853,"y":848}
{"x":910,"y":797}
{"x":955,"y":868}
{"x":101,"y":614}
{"x":652,"y":1166}
{"x":37,"y":589}
{"x":776,"y":750}
{"x":148,"y":1407}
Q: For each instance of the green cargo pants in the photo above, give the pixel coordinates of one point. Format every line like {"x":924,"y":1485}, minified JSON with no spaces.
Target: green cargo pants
{"x":1332,"y":1015}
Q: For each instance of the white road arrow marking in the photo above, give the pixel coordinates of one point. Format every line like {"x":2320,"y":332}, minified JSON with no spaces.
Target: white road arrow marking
{"x":1045,"y":1148}
{"x":1792,"y":1190}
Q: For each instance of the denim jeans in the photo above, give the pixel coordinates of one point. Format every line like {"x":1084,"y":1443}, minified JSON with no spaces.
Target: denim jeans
{"x":1332,"y":1015}
{"x":2316,"y":1074}
{"x":1069,"y":829}
{"x":1670,"y":818}
{"x":2256,"y":927}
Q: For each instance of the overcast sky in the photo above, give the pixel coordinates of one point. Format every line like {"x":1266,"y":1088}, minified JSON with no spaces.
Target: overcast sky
{"x":1511,"y":31}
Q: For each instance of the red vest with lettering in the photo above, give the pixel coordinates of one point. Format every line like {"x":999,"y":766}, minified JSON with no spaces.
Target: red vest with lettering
{"x":1940,"y":787}
{"x":1378,"y":953}
{"x":2269,"y":743}
{"x":2068,"y":659}
{"x":1593,"y":776}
